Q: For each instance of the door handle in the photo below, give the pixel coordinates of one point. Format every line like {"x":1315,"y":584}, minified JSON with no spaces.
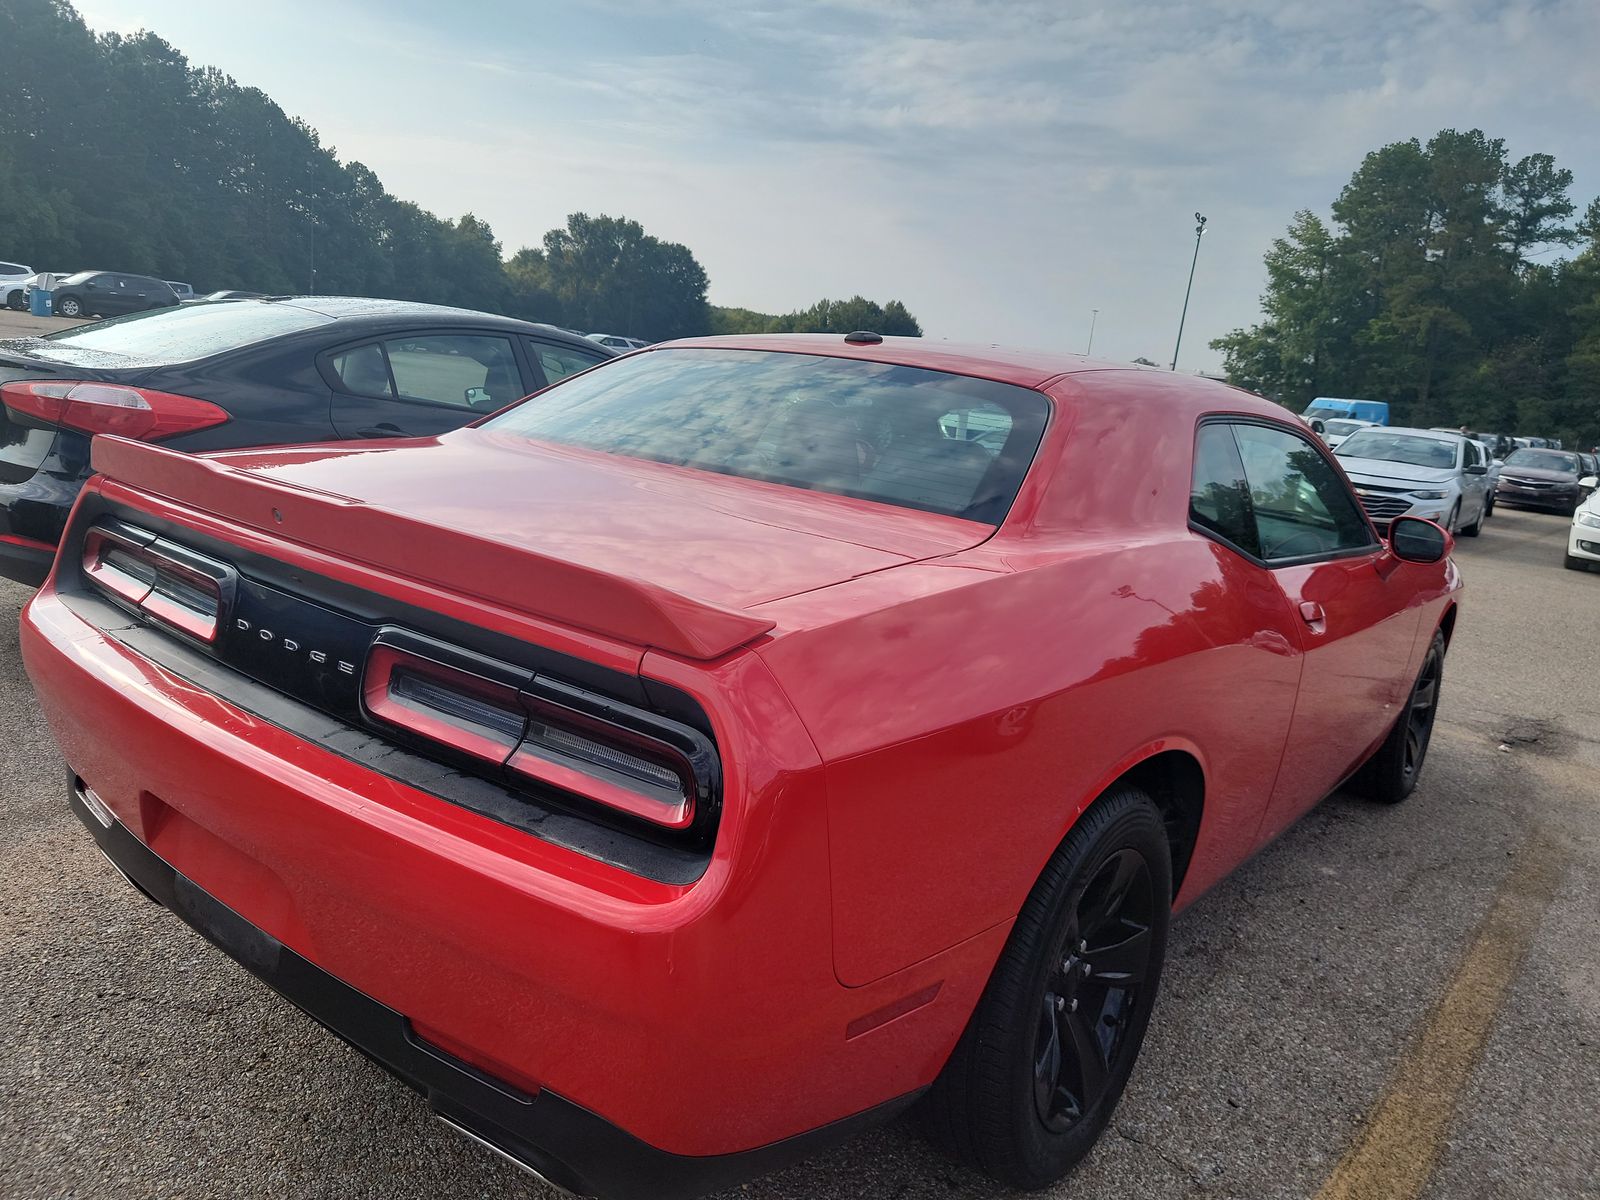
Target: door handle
{"x":381,"y":430}
{"x":1311,"y":612}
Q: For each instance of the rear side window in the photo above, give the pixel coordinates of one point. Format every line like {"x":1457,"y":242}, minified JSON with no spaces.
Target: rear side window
{"x":560,"y":361}
{"x":1219,"y":497}
{"x":364,"y":371}
{"x":177,"y":334}
{"x":900,"y":435}
{"x":13,"y":269}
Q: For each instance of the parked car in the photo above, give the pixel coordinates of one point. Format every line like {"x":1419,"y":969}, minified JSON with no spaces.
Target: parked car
{"x":1492,"y":480}
{"x":710,"y":756}
{"x":1588,"y":464}
{"x":248,"y":373}
{"x":110,"y":294}
{"x":1501,"y":444}
{"x":13,"y":279}
{"x":617,"y":342}
{"x":1583,"y":542}
{"x":184,"y":291}
{"x":1335,"y":429}
{"x":1419,"y":473}
{"x":1324,"y":407}
{"x":1537,"y":478}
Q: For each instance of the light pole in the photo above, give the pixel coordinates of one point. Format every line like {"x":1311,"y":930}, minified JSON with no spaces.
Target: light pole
{"x":1094,"y":315}
{"x":1200,"y":228}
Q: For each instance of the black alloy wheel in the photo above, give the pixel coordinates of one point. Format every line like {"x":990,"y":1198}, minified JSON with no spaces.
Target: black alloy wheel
{"x":1044,"y":1059}
{"x":1103,"y":961}
{"x":1391,"y":774}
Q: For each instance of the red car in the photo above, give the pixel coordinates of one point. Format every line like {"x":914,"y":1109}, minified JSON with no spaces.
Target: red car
{"x":741,"y":740}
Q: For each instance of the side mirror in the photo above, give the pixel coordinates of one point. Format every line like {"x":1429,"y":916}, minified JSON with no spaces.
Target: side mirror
{"x":1590,"y":481}
{"x":1418,"y":541}
{"x":477,"y":397}
{"x":1317,"y":426}
{"x":1477,"y":469}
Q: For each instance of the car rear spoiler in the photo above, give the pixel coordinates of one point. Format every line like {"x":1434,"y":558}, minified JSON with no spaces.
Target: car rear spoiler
{"x":518,"y":577}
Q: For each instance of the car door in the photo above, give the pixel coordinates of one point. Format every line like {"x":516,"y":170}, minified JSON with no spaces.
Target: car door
{"x":1357,"y":625}
{"x":422,"y":382}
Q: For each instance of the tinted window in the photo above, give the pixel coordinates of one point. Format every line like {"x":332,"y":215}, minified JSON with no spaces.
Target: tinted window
{"x":177,"y":334}
{"x":560,"y":361}
{"x":1219,"y":497}
{"x":80,"y":277}
{"x":1474,"y":459}
{"x":1544,"y":460}
{"x":13,"y":269}
{"x":856,"y":428}
{"x":1302,"y":508}
{"x":462,"y":370}
{"x":1411,"y":449}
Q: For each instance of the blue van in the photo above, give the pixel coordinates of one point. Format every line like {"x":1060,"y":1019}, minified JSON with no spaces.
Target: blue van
{"x":1324,"y":407}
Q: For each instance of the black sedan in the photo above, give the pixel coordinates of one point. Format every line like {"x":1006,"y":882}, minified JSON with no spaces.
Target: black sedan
{"x":1538,"y":478}
{"x":249,"y":373}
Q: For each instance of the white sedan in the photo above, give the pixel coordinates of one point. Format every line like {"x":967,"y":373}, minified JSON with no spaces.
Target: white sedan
{"x":1583,"y":543}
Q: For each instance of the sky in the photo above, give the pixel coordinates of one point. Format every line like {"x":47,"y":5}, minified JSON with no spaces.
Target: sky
{"x":1003,"y":168}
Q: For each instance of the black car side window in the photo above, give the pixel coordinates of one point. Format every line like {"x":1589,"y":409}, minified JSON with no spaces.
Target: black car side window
{"x":364,"y":370}
{"x":1219,"y":497}
{"x":1302,"y":508}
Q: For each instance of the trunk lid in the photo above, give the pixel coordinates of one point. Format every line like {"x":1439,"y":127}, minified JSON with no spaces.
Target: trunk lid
{"x":652,"y":554}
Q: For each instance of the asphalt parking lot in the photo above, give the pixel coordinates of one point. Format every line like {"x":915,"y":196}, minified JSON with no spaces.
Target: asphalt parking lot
{"x":1388,"y":1002}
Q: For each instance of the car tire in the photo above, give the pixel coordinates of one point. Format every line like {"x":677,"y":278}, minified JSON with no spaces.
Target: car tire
{"x":1476,"y":527}
{"x":1079,"y":970}
{"x":69,"y":306}
{"x":1391,"y":774}
{"x":1454,"y":518}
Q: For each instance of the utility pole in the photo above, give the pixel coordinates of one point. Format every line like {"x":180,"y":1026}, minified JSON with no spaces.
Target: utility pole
{"x":1200,"y":228}
{"x":311,"y":289}
{"x":1094,"y":315}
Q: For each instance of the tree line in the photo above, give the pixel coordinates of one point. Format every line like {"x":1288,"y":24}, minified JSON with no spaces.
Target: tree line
{"x":1452,"y":282}
{"x":117,"y":154}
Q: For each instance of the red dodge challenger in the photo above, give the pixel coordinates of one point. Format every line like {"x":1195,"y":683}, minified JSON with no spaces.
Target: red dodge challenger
{"x":742,"y":740}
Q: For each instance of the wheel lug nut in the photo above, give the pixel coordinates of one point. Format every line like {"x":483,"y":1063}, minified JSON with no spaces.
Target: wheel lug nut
{"x":1061,"y":1002}
{"x":1074,"y":1004}
{"x":1083,"y":946}
{"x":1086,"y":968}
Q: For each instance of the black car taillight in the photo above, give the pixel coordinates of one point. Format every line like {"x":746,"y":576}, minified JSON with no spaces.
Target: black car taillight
{"x":173,"y":586}
{"x":134,"y":412}
{"x":542,"y":732}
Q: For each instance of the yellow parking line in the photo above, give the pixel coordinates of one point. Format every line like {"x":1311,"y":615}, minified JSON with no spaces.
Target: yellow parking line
{"x":1400,"y":1142}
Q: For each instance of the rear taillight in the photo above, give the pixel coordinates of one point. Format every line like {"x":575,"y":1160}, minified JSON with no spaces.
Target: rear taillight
{"x":171,"y":585}
{"x":131,"y":412}
{"x":543,"y":734}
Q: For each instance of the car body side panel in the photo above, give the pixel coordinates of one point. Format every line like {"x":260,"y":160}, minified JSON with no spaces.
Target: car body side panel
{"x":957,"y":759}
{"x":1356,"y":677}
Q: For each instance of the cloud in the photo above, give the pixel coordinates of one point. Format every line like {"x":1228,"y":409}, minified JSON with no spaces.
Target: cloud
{"x":1001,"y":167}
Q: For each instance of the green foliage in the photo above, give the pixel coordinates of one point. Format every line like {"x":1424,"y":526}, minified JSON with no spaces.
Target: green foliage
{"x":1429,"y":292}
{"x":117,"y":154}
{"x":825,"y":316}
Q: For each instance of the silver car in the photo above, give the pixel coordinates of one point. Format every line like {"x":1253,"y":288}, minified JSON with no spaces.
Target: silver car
{"x":1418,"y":473}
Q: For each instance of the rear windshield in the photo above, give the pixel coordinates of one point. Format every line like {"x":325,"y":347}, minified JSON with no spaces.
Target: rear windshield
{"x":1544,"y":460}
{"x":1411,"y":449}
{"x":901,"y":435}
{"x":1341,"y":428}
{"x":176,"y":334}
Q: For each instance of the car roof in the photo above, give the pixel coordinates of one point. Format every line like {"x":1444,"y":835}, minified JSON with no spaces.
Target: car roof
{"x":359,"y":308}
{"x":1004,"y":364}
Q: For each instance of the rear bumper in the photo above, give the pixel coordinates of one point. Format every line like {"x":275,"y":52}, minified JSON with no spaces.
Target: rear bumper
{"x":699,"y":1028}
{"x":559,"y":1141}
